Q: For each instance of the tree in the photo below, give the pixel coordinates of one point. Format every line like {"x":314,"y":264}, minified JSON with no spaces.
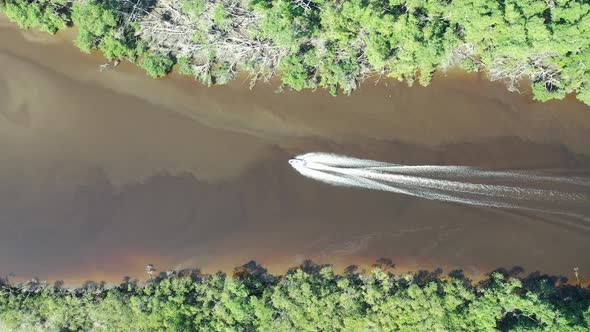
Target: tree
{"x":101,"y":26}
{"x":309,"y":297}
{"x":157,"y":64}
{"x":333,"y":44}
{"x":47,"y":15}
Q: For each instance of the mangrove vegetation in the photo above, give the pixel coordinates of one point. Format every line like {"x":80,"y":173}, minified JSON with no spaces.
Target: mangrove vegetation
{"x":309,"y":297}
{"x":334,"y":44}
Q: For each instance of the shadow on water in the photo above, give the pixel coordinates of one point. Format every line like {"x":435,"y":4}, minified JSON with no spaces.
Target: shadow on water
{"x":268,"y":213}
{"x":257,"y":276}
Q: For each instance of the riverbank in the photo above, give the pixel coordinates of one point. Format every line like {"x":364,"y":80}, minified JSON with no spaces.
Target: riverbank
{"x":308,"y":297}
{"x":330,"y":44}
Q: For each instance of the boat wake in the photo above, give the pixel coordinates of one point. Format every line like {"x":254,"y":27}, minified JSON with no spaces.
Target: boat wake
{"x":525,"y":190}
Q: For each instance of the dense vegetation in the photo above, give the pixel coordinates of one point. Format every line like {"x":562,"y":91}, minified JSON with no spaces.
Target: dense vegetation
{"x":308,"y":298}
{"x":335,"y":44}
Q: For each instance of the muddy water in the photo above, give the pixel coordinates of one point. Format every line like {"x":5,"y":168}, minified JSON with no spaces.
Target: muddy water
{"x":102,"y":173}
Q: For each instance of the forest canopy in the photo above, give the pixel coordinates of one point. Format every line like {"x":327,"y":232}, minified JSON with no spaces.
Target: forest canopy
{"x":309,"y":297}
{"x":334,"y":44}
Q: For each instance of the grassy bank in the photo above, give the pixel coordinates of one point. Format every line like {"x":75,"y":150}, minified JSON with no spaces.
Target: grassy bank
{"x":308,"y":298}
{"x":334,"y":44}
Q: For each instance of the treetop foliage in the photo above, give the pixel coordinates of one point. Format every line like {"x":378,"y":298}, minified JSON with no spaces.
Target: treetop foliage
{"x":100,"y":27}
{"x":308,"y":298}
{"x":47,"y":15}
{"x":157,"y":64}
{"x":335,"y":44}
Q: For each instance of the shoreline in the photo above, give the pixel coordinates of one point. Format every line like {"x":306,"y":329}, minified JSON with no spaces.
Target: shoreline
{"x":341,"y":269}
{"x":307,"y":297}
{"x":476,"y":274}
{"x":244,"y":41}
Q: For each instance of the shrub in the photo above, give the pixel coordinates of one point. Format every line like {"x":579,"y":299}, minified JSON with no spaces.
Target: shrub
{"x":157,"y":64}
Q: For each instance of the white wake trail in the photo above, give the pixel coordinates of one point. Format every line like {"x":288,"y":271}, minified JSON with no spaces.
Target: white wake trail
{"x":477,"y":189}
{"x":329,"y":159}
{"x":432,"y":195}
{"x":458,"y":184}
{"x":458,"y":171}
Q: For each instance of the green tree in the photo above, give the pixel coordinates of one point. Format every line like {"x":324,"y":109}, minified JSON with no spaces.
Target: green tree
{"x":100,"y":27}
{"x":333,"y":44}
{"x":47,"y":15}
{"x":157,"y":64}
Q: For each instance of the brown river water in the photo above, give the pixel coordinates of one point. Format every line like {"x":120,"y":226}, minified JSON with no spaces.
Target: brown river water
{"x":102,"y":173}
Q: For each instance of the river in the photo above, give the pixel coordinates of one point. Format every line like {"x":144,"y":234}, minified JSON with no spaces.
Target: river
{"x":104,"y":172}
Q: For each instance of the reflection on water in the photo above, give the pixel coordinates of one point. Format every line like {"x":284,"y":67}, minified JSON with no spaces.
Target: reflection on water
{"x":103,"y":173}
